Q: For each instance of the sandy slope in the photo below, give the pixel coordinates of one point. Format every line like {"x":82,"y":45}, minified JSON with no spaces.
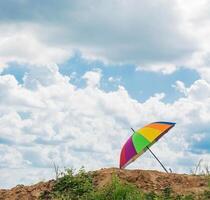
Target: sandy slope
{"x":148,"y":181}
{"x":145,"y":180}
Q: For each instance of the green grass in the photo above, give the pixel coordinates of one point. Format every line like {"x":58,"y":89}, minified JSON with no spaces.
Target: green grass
{"x":79,"y":186}
{"x":72,"y":187}
{"x":117,"y":190}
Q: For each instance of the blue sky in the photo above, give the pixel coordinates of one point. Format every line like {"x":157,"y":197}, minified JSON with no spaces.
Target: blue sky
{"x":139,"y":84}
{"x":75,"y":76}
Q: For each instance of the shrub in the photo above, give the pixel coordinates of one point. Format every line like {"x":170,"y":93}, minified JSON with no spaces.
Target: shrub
{"x":72,"y":187}
{"x":117,"y":190}
{"x":167,"y":193}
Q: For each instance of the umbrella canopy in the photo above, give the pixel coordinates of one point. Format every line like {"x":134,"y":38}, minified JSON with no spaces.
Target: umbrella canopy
{"x":141,"y":139}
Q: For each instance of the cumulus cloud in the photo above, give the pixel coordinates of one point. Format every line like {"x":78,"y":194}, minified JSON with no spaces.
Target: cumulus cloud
{"x":54,"y":121}
{"x":180,"y":86}
{"x":22,"y":46}
{"x":199,"y":90}
{"x":93,"y":78}
{"x":158,"y":36}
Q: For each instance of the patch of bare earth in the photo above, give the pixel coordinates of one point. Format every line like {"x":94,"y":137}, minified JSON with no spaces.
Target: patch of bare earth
{"x":21,"y":192}
{"x":148,"y":180}
{"x":145,"y":180}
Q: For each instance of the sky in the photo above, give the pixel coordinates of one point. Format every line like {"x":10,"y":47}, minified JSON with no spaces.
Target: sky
{"x":76,"y":75}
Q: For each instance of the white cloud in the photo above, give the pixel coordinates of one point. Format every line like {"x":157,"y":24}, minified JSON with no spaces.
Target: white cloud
{"x":93,"y":78}
{"x":198,"y":91}
{"x":24,"y":175}
{"x":165,"y":68}
{"x":75,"y":127}
{"x":18,"y":44}
{"x":112,"y":79}
{"x":158,"y":36}
{"x":180,"y":86}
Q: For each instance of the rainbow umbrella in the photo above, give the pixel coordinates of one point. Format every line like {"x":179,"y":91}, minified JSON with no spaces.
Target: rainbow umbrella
{"x":141,"y":140}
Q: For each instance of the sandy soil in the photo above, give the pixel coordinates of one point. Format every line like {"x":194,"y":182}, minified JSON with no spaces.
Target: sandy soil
{"x":148,"y":181}
{"x":145,"y":180}
{"x":21,"y":192}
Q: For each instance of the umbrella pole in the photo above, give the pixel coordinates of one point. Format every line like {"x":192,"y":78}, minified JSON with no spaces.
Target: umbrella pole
{"x":157,"y":159}
{"x":154,"y":156}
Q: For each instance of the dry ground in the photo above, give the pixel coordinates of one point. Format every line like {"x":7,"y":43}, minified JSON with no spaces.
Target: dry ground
{"x":145,"y":180}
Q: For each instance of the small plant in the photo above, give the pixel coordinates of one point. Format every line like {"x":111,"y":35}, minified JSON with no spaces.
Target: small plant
{"x":150,"y":196}
{"x":56,"y":170}
{"x":167,"y":193}
{"x":206,"y":195}
{"x":117,"y":190}
{"x":188,"y":197}
{"x":201,"y":169}
{"x":198,"y":166}
{"x":71,"y":187}
{"x":207,"y":171}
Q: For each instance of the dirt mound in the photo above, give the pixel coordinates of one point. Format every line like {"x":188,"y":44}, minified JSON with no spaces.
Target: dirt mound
{"x":21,"y":192}
{"x":145,"y":180}
{"x":148,"y":180}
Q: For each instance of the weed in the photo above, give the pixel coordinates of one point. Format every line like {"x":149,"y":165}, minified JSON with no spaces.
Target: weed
{"x":167,"y":193}
{"x":117,"y":190}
